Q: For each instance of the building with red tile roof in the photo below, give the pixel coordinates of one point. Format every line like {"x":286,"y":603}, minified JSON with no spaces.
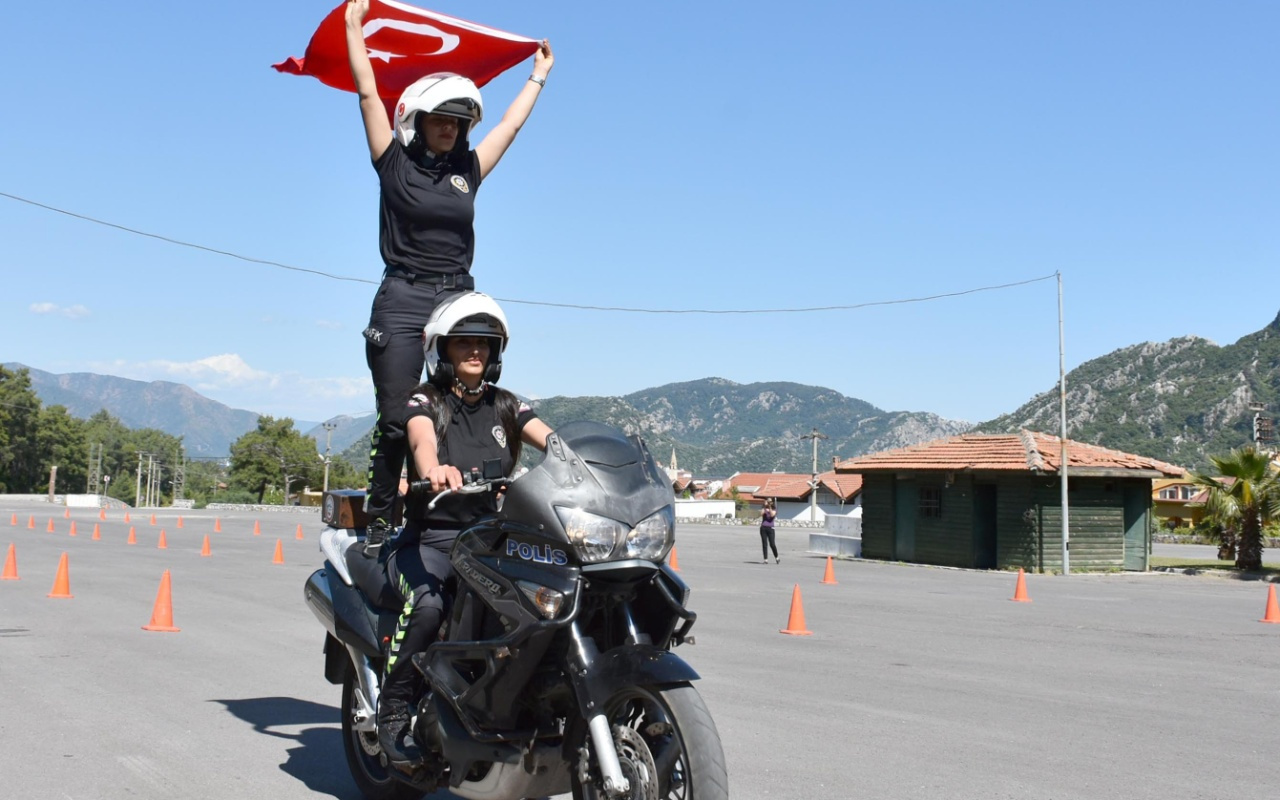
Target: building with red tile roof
{"x":994,"y":500}
{"x":837,"y":494}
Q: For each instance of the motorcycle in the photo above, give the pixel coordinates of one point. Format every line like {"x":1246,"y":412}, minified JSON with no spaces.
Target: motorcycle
{"x":553,"y":672}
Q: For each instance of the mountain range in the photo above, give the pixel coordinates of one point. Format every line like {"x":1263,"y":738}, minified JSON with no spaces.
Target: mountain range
{"x":1180,"y":401}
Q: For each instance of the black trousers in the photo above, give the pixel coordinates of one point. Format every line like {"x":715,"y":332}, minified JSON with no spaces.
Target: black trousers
{"x":393,"y":351}
{"x":766,"y":542}
{"x":418,"y":570}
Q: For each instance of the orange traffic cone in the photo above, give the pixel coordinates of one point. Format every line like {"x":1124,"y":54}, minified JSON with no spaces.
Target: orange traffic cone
{"x":257,"y":529}
{"x":66,"y":513}
{"x":10,"y":565}
{"x":674,"y":560}
{"x":126,"y":517}
{"x":14,"y":521}
{"x":205,"y":551}
{"x":31,"y":522}
{"x":97,"y":532}
{"x":217,"y":525}
{"x":1020,"y":590}
{"x":179,"y":520}
{"x":162,"y":544}
{"x":153,"y":519}
{"x":62,"y":581}
{"x":278,"y":558}
{"x":132,"y":538}
{"x":830,"y":576}
{"x":795,"y":623}
{"x":49,"y":528}
{"x":102,"y":515}
{"x":298,"y":535}
{"x":162,"y":613}
{"x":73,"y":527}
{"x":1272,"y":615}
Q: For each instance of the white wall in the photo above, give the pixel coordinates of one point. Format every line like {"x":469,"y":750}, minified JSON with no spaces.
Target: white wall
{"x":702,"y":509}
{"x":798,"y":511}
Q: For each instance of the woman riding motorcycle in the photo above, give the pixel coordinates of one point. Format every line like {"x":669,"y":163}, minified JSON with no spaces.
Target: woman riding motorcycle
{"x":456,"y":422}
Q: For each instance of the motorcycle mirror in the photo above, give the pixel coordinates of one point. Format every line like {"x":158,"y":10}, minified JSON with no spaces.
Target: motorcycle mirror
{"x":492,"y":469}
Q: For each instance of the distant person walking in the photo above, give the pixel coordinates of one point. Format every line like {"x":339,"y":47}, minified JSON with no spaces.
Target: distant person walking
{"x":767,"y":517}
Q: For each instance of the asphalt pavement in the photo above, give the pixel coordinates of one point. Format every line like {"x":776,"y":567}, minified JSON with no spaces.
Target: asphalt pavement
{"x":916,"y":682}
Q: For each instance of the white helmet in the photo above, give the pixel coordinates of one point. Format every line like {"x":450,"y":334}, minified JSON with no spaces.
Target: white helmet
{"x":438,"y":93}
{"x":469,"y":314}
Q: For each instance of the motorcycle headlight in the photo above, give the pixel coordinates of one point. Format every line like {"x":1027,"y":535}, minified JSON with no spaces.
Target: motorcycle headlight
{"x":593,"y":536}
{"x":598,"y":538}
{"x":651,"y":538}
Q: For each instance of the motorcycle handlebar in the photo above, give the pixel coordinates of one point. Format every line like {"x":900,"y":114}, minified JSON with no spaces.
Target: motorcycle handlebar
{"x":423,"y":488}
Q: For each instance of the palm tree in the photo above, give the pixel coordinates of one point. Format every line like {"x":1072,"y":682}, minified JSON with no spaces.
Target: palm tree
{"x":1244,"y":495}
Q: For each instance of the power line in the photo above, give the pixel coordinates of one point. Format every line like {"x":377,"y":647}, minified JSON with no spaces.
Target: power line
{"x":579,"y":307}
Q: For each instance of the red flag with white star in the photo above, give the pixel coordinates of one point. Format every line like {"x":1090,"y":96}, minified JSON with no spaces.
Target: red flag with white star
{"x":405,"y":43}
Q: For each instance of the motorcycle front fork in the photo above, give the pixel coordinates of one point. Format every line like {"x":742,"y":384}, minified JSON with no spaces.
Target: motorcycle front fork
{"x":585,"y":652}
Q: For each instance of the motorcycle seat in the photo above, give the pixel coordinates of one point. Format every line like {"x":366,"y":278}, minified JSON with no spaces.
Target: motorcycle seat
{"x":370,"y":577}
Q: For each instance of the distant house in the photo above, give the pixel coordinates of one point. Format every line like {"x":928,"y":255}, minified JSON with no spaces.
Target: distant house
{"x":838,"y":495}
{"x":994,"y":501}
{"x":1178,"y":502}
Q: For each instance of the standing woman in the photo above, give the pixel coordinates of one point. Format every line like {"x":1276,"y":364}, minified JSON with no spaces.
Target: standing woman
{"x":767,"y":517}
{"x":428,"y":180}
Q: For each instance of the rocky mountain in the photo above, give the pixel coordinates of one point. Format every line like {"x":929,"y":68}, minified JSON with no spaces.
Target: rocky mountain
{"x":718,"y":427}
{"x":1180,"y":400}
{"x":347,"y":431}
{"x":206,"y":426}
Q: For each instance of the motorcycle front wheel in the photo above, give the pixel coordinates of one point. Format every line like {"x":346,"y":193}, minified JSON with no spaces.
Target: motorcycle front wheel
{"x":364,"y":754}
{"x":675,"y":725}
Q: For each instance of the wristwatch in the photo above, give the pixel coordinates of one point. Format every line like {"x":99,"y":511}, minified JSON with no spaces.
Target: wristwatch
{"x":537,"y":80}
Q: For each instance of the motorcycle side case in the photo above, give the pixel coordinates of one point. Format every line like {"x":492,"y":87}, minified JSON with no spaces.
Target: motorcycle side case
{"x":343,"y":612}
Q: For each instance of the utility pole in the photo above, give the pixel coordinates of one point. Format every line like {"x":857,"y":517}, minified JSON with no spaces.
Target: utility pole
{"x":137,"y":493}
{"x":813,"y":481}
{"x":95,"y":468}
{"x":1062,"y":410}
{"x":179,"y":473}
{"x":328,"y":437}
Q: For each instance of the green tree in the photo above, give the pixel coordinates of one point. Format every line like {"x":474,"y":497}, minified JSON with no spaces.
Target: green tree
{"x":60,"y":442}
{"x":275,"y":454}
{"x":1244,"y":496}
{"x":20,"y":462}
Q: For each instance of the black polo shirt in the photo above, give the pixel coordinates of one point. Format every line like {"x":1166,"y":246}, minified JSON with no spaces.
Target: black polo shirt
{"x":474,"y":434}
{"x":426,"y":213}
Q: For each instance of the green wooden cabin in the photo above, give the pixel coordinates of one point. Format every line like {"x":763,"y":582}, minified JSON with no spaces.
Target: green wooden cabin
{"x":974,"y":501}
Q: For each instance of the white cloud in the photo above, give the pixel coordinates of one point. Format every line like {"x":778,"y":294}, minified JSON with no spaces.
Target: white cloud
{"x":329,"y":324}
{"x":229,"y":379}
{"x":70,"y":312}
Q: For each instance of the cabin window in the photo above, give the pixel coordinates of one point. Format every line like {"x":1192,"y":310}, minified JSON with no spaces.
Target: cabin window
{"x":930,"y":501}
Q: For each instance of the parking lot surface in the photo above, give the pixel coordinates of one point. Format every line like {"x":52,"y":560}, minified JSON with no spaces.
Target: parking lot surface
{"x":915,"y":683}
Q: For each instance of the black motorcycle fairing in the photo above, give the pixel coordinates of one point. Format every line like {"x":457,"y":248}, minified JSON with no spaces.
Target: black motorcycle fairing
{"x":593,"y":467}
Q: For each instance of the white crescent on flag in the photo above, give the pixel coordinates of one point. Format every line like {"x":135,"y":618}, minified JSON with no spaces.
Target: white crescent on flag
{"x":406,"y":43}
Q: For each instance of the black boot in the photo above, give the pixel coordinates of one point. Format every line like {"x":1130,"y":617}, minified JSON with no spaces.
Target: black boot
{"x":375,"y":535}
{"x":393,"y":728}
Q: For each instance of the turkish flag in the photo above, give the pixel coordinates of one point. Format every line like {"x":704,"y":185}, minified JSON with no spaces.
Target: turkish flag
{"x":405,"y":43}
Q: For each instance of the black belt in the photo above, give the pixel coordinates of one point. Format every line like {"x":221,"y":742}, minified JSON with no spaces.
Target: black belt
{"x":459,"y":281}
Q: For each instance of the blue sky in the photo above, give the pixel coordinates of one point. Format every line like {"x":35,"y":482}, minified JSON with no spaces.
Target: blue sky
{"x":719,"y":155}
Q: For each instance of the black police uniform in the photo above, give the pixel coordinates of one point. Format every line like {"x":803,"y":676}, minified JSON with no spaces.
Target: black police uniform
{"x":420,"y":565}
{"x":427,"y":243}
